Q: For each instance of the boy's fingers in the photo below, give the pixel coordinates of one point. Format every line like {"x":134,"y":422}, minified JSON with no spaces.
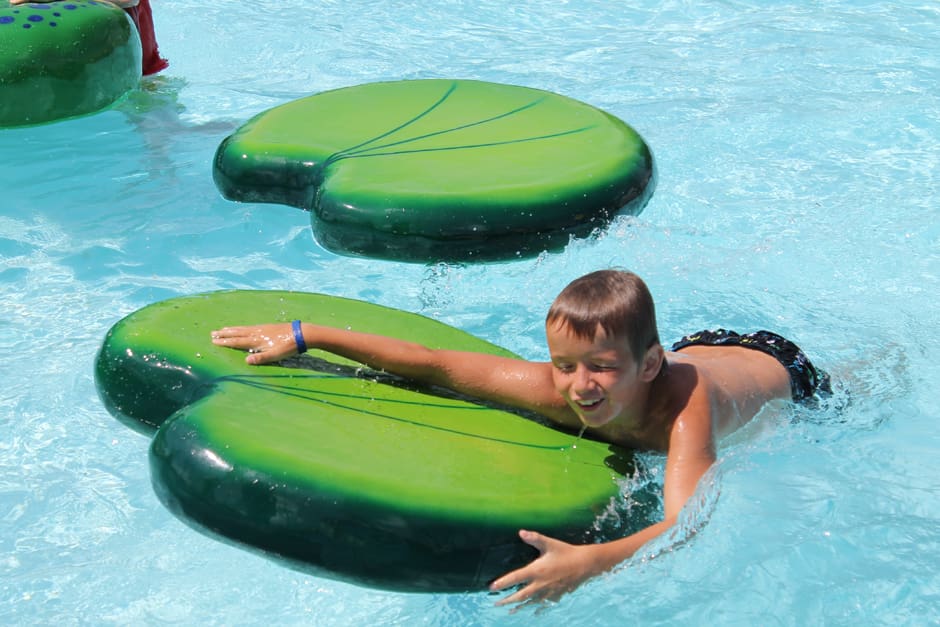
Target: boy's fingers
{"x":534,"y":539}
{"x":234,"y":342}
{"x":527,"y":595}
{"x":510,"y":579}
{"x":516,"y":597}
{"x":523,"y":574}
{"x":240,"y":336}
{"x":256,"y":359}
{"x":229,"y":332}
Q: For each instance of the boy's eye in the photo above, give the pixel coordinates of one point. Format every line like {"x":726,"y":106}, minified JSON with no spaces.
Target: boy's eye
{"x":564,"y":367}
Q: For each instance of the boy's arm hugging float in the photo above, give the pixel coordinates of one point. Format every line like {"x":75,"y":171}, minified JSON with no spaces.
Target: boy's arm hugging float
{"x":608,"y":374}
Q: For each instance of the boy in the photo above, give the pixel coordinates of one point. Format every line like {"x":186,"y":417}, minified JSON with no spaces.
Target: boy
{"x":141,"y":15}
{"x":609,"y":373}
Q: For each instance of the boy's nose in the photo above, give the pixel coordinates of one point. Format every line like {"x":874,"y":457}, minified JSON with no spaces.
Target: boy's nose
{"x":582,"y":378}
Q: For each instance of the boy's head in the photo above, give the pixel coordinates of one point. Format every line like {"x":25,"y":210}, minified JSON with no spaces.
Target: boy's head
{"x":617,"y":301}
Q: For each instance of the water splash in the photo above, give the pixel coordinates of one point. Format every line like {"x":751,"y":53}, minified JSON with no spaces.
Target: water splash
{"x":694,"y":516}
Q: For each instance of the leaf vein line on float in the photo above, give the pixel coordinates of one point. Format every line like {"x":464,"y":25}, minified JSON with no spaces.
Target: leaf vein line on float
{"x":363,"y":147}
{"x":388,"y":133}
{"x":308,"y":395}
{"x":463,"y":147}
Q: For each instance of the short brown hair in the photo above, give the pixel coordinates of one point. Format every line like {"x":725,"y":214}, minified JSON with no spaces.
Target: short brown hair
{"x":617,"y":300}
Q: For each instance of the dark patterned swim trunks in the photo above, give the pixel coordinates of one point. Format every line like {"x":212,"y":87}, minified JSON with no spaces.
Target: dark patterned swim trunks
{"x":805,"y":379}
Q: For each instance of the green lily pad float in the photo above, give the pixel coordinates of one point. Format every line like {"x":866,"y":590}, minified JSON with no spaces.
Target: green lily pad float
{"x":64,"y":59}
{"x":440,"y":170}
{"x":338,"y":470}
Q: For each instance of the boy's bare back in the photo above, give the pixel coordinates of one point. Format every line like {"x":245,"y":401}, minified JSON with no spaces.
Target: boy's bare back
{"x":739,"y":381}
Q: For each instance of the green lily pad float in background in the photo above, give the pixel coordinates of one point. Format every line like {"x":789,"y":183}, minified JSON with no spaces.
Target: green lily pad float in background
{"x":440,"y":170}
{"x":64,"y":59}
{"x":335,"y":469}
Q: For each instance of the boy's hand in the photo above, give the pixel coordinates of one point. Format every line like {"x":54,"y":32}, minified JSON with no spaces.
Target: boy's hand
{"x":265,"y":342}
{"x":559,"y":569}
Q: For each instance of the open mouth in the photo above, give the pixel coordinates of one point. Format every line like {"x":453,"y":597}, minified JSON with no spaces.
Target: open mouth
{"x":589,"y":405}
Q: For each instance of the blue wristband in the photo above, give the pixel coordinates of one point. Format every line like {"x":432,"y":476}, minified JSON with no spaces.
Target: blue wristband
{"x":298,"y":337}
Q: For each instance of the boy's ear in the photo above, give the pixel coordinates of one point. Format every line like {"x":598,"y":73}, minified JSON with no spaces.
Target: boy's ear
{"x":652,"y":363}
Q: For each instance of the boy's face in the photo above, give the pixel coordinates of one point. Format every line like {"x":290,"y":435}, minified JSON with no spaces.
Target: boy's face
{"x":598,"y":378}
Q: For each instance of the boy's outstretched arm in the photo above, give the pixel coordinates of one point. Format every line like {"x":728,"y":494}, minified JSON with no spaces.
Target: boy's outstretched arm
{"x":562,"y":567}
{"x":515,"y":382}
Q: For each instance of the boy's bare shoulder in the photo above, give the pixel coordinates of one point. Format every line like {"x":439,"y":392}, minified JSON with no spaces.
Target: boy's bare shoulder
{"x":736,"y":381}
{"x":725,"y":365}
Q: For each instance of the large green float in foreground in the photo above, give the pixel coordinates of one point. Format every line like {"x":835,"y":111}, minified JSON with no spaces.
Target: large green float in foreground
{"x":64,"y":59}
{"x":440,"y":170}
{"x":336,"y":469}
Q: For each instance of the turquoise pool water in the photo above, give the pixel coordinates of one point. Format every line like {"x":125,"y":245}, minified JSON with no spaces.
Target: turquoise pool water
{"x":797,"y":148}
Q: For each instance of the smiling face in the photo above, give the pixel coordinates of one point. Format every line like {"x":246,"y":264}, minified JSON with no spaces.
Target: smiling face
{"x":599,"y":378}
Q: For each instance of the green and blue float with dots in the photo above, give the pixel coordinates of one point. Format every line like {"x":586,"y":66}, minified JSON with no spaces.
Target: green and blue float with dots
{"x":64,"y":59}
{"x":337,"y":470}
{"x":440,"y":169}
